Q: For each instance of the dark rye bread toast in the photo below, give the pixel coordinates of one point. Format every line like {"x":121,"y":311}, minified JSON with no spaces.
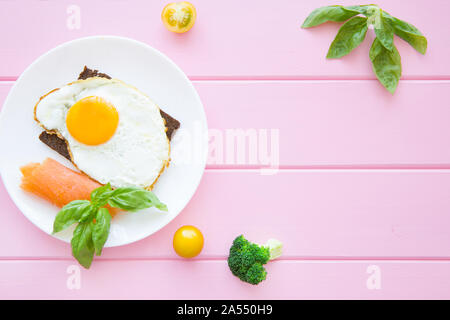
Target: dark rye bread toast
{"x":59,"y":145}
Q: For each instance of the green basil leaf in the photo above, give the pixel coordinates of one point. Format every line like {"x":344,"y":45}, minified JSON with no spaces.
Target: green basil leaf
{"x":407,"y":32}
{"x":350,"y":35}
{"x":384,"y":32}
{"x":328,"y":13}
{"x":100,"y":229}
{"x":134,"y":199}
{"x":88,"y":215}
{"x":70,"y":214}
{"x":363,"y":9}
{"x":386,"y":65}
{"x":155,"y":201}
{"x":82,"y":245}
{"x":100,"y":196}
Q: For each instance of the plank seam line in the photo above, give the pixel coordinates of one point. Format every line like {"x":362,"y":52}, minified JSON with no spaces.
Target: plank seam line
{"x":310,"y":78}
{"x":286,"y":79}
{"x":443,"y":167}
{"x":368,"y":169}
{"x":286,"y":259}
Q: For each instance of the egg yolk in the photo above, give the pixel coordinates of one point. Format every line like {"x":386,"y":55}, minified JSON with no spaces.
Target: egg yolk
{"x":188,"y":241}
{"x":92,"y":120}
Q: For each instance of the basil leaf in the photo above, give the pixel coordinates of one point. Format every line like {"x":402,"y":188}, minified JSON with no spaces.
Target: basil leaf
{"x":328,"y":13}
{"x":407,"y":32}
{"x":350,"y":35}
{"x":99,"y":196}
{"x":100,"y":229}
{"x":134,"y":199}
{"x":155,"y":201}
{"x":363,"y":9}
{"x":386,"y":65}
{"x":82,"y":245}
{"x":384,"y":32}
{"x":70,"y":214}
{"x":88,"y":215}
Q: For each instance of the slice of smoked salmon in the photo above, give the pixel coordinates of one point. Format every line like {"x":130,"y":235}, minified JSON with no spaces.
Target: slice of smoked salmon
{"x":58,"y":184}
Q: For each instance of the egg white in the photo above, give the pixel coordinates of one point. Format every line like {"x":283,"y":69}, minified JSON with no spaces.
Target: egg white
{"x":138,"y":151}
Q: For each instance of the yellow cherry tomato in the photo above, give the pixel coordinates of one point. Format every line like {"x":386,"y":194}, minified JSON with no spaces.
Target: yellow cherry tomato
{"x":188,"y":241}
{"x":179,"y":16}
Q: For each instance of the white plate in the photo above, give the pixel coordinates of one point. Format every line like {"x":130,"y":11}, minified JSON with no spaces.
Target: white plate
{"x":137,"y":64}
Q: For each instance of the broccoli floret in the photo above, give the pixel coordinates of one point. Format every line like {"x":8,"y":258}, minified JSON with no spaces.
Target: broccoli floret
{"x":246,"y":259}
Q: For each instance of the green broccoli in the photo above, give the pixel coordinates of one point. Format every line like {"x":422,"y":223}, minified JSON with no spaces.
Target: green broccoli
{"x":246,"y":259}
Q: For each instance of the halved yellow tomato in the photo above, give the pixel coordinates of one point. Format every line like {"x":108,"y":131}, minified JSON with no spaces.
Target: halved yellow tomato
{"x":179,"y":16}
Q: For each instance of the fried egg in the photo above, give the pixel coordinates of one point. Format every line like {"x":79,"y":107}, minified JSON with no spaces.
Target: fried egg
{"x":114,"y":132}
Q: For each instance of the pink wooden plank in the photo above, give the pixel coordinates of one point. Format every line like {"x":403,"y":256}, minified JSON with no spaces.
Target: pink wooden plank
{"x":339,"y":123}
{"x":242,"y":39}
{"x":212,"y":280}
{"x":315,"y":213}
{"x":330,"y":123}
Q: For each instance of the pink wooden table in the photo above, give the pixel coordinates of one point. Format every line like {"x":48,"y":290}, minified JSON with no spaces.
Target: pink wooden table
{"x":361,"y":198}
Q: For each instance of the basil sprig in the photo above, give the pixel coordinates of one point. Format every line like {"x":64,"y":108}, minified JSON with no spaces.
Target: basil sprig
{"x":386,"y":62}
{"x":94,"y":220}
